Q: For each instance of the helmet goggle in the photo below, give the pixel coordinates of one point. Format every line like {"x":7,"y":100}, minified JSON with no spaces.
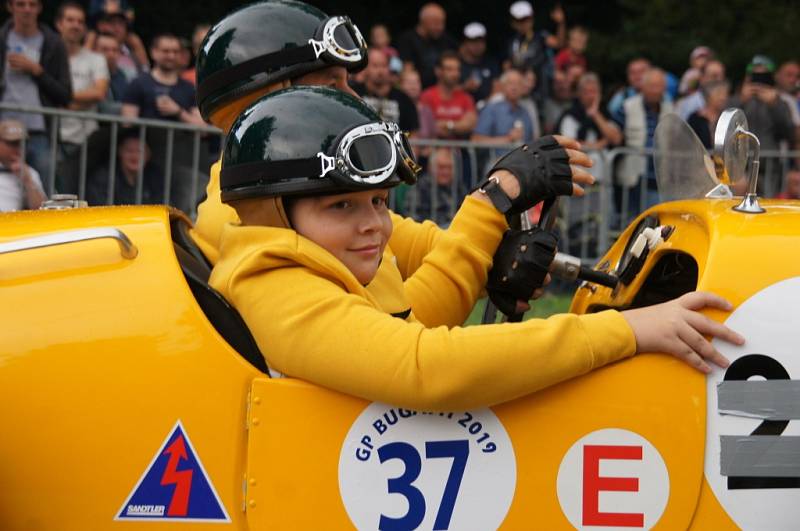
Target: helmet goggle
{"x":337,"y":41}
{"x":367,"y":155}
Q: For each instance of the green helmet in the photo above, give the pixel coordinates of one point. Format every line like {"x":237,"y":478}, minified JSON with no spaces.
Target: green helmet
{"x":312,"y":141}
{"x":268,"y":42}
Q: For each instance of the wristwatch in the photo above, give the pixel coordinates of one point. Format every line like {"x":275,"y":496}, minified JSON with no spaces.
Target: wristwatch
{"x":499,"y":198}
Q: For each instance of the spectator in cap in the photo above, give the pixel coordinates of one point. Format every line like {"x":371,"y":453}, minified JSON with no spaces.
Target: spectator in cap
{"x":697,"y":60}
{"x":98,"y":7}
{"x":768,"y":117}
{"x":711,"y":72}
{"x":478,"y":69}
{"x":379,"y":93}
{"x":532,"y":49}
{"x":573,"y":54}
{"x":35,"y":72}
{"x":20,"y":185}
{"x":421,"y":46}
{"x":434,"y":197}
{"x":133,"y":55}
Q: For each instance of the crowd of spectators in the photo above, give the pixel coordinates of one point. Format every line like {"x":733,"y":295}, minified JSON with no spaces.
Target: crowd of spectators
{"x":543,"y":83}
{"x":94,"y":62}
{"x":434,"y":85}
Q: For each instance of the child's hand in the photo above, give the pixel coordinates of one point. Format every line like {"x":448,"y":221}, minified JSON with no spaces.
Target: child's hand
{"x":676,"y":327}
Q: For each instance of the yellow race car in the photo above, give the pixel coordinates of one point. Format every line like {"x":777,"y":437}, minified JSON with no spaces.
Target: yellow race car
{"x":133,"y":396}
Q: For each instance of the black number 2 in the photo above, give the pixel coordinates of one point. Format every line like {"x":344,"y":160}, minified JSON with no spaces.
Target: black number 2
{"x":769,"y":368}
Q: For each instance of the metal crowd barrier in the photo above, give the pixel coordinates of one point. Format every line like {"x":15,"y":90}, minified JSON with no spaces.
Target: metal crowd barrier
{"x":185,"y":159}
{"x":587,"y":225}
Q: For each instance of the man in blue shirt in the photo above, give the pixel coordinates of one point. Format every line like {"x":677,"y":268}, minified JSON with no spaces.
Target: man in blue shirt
{"x":506,"y":121}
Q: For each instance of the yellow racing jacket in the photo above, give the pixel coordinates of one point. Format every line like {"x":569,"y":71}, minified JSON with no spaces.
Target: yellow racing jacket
{"x":313,"y":320}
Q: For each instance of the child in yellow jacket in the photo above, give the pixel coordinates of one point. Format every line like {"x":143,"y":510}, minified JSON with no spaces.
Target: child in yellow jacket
{"x":309,"y":171}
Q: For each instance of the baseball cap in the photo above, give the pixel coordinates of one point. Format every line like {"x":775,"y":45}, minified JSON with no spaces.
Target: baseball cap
{"x":474,"y":30}
{"x":701,"y":50}
{"x":761,"y":60}
{"x":12,"y":130}
{"x":521,"y":9}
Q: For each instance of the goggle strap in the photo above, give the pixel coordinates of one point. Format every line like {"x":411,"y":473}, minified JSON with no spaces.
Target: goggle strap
{"x":262,"y":64}
{"x":252,"y":172}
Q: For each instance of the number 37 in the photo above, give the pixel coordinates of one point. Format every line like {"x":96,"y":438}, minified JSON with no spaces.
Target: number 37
{"x":458,"y":450}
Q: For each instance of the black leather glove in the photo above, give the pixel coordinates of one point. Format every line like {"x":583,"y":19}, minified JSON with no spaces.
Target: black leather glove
{"x":520,"y":266}
{"x":542,"y":169}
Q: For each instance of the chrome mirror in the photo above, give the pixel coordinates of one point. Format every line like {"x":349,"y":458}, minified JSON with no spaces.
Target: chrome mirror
{"x":732,"y":142}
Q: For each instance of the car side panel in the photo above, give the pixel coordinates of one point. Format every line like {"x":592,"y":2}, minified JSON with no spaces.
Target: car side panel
{"x":101,"y":357}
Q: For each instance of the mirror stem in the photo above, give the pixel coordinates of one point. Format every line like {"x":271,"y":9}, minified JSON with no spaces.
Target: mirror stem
{"x":750,"y":204}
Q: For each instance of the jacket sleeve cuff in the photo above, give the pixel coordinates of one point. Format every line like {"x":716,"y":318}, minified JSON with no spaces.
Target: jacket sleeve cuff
{"x":608,"y":331}
{"x":481,"y":222}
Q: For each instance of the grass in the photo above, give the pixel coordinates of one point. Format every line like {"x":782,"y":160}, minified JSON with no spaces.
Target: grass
{"x":546,"y":306}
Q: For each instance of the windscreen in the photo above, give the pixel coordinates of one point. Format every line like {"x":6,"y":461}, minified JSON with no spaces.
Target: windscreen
{"x":684,"y":169}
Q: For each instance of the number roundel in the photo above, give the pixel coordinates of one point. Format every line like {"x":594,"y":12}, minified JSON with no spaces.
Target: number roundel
{"x":402,"y":469}
{"x":753,"y":420}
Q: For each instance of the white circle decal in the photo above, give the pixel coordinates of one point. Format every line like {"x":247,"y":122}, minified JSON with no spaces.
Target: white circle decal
{"x":751,"y":462}
{"x":613,"y":479}
{"x":402,"y":469}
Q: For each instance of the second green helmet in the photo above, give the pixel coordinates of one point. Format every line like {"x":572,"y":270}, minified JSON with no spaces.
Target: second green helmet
{"x":268,"y":42}
{"x":312,"y":141}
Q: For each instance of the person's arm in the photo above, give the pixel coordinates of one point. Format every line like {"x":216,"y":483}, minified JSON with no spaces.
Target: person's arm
{"x":91,"y":38}
{"x":54,"y":81}
{"x":466,"y":124}
{"x":514,"y":135}
{"x":359,"y":350}
{"x":781,"y":117}
{"x":169,"y":107}
{"x":559,"y":40}
{"x":451,"y":265}
{"x":31,"y":185}
{"x":132,"y":99}
{"x":138,"y":50}
{"x":192,"y":116}
{"x":611,"y":133}
{"x":97,"y":92}
{"x":130,"y":111}
{"x":94,"y":94}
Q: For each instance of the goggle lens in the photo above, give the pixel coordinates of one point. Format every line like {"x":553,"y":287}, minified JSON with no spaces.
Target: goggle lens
{"x":343,"y":38}
{"x":370,"y":154}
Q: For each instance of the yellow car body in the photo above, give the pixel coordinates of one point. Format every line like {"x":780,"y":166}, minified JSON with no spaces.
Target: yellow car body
{"x":114,"y":382}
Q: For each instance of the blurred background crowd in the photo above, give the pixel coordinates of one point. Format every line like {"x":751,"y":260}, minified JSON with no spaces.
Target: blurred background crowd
{"x":463,"y":101}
